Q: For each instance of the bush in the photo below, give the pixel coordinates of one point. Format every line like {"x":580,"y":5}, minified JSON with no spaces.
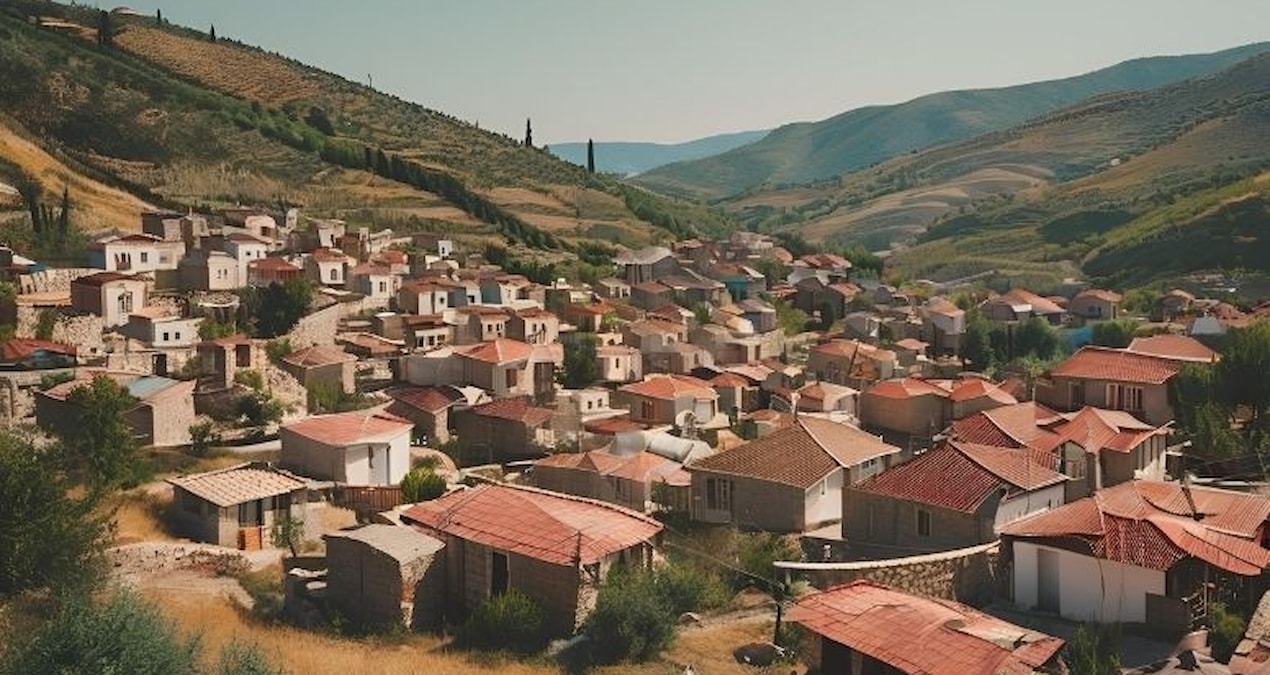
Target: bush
{"x":422,"y":484}
{"x":512,"y":621}
{"x":1226,"y":629}
{"x":756,"y":554}
{"x":687,"y":588}
{"x":633,"y":619}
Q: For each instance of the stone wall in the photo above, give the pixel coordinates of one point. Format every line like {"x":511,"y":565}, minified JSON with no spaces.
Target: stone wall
{"x":57,"y":280}
{"x":970,"y":575}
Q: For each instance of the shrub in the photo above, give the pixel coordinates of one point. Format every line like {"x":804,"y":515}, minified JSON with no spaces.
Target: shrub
{"x":632,"y":621}
{"x":756,"y":554}
{"x":422,"y":484}
{"x":278,"y":349}
{"x":1226,"y":630}
{"x":253,"y":379}
{"x":512,"y":621}
{"x":687,"y":588}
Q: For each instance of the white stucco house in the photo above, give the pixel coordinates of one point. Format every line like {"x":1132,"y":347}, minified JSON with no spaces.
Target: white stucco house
{"x":364,"y":447}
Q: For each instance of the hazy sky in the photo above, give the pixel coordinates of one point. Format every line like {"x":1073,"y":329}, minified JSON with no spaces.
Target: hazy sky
{"x":672,"y":70}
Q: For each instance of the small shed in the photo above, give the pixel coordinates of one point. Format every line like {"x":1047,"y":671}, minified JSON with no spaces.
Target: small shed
{"x":386,"y":574}
{"x":237,"y":506}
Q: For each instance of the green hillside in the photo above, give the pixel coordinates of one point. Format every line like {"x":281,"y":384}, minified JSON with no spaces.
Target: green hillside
{"x":806,"y":152}
{"x":180,"y":120}
{"x":630,"y":158}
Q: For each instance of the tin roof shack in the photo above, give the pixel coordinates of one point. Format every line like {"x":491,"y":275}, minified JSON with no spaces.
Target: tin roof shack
{"x":863,"y":627}
{"x":364,"y":447}
{"x":238,"y":506}
{"x":555,"y":548}
{"x":385,"y":575}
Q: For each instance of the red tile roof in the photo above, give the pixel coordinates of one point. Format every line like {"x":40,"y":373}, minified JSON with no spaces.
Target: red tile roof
{"x":799,"y":455}
{"x":1011,"y":426}
{"x":427,"y":399}
{"x":1175,"y":347}
{"x":1155,"y":525}
{"x":518,"y":409}
{"x":359,"y":426}
{"x":973,"y":387}
{"x":498,"y":350}
{"x":273,"y":264}
{"x":317,"y":356}
{"x":961,"y":476}
{"x":670,"y":387}
{"x":1095,"y":429}
{"x":1099,"y":294}
{"x":923,"y":635}
{"x":1116,"y":365}
{"x":553,"y":528}
{"x":16,"y":349}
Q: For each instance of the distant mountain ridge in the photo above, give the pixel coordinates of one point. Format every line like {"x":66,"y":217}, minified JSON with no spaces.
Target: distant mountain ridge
{"x":628,"y":158}
{"x":811,"y":151}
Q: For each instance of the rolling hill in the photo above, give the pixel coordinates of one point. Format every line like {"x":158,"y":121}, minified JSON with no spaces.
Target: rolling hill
{"x":168,"y":117}
{"x":1125,"y":187}
{"x":628,"y":159}
{"x":811,"y":151}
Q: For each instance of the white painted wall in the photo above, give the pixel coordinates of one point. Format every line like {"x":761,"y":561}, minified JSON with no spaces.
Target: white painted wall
{"x":392,"y":459}
{"x":1090,"y":589}
{"x":824,"y":500}
{"x":1026,"y":504}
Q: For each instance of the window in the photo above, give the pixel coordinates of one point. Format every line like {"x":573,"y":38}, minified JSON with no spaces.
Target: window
{"x":145,"y":257}
{"x":165,"y":337}
{"x":383,"y":287}
{"x":335,"y":274}
{"x":718,"y":494}
{"x":1124,"y":397}
{"x":511,"y":377}
{"x":177,"y":335}
{"x":125,"y":302}
{"x":923,"y":523}
{"x":646,"y":410}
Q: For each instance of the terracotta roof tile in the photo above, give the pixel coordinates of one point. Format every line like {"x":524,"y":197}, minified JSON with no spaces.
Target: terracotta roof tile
{"x":238,"y":484}
{"x":16,"y":349}
{"x":1116,"y":365}
{"x":1155,"y":525}
{"x":427,"y":399}
{"x":960,"y":476}
{"x":553,"y":528}
{"x":1010,"y":426}
{"x":518,"y":409}
{"x":799,"y":455}
{"x":923,"y":635}
{"x":1175,"y":347}
{"x":342,"y":429}
{"x":668,"y":387}
{"x":316,"y":356}
{"x":499,"y":350}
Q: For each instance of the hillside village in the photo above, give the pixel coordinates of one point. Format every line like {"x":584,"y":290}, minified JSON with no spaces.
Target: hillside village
{"x":843,"y":416}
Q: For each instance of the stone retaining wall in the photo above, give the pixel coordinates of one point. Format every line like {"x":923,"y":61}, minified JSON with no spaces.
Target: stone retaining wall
{"x":969,"y":575}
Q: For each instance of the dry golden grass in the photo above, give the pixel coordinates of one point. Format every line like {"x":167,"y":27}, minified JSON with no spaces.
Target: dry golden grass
{"x":255,"y":76}
{"x":97,"y":206}
{"x":513,"y":197}
{"x":138,"y":517}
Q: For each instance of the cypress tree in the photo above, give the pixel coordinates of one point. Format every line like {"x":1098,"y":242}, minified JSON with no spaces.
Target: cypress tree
{"x":590,"y":156}
{"x":212,"y":34}
{"x":158,"y":17}
{"x":64,"y":218}
{"x":529,"y":134}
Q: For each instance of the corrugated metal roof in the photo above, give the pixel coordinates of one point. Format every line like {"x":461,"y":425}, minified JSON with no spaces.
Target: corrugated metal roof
{"x":239,"y":484}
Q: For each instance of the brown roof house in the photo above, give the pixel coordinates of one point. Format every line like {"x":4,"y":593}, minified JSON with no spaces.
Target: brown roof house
{"x":1095,"y":304}
{"x":919,"y":408}
{"x":503,"y":430}
{"x":363,"y":447}
{"x":110,"y":295}
{"x":1141,"y":552}
{"x":238,"y":506}
{"x":850,"y":362}
{"x":555,"y":548}
{"x":863,"y":627}
{"x":386,"y":575}
{"x":322,"y":365}
{"x":161,"y":417}
{"x":790,"y":480}
{"x":1113,"y":379}
{"x":1019,"y":304}
{"x":957,"y":495}
{"x":1100,"y":448}
{"x":428,"y":408}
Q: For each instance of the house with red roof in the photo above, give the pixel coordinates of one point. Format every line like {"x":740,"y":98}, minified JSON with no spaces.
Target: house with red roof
{"x":790,"y":480}
{"x":643,"y":481}
{"x":917,"y":408}
{"x":850,"y":362}
{"x":428,"y":408}
{"x":957,"y":495}
{"x":327,"y":266}
{"x":1026,"y":426}
{"x":1141,"y":552}
{"x":666,"y":399}
{"x":32,"y":354}
{"x":1114,"y":379}
{"x":555,"y":548}
{"x":864,"y":627}
{"x":1101,"y":448}
{"x":1018,"y":304}
{"x":272,"y":270}
{"x":1176,"y":347}
{"x":504,"y":430}
{"x":110,"y":295}
{"x":363,"y":447}
{"x":943,"y":325}
{"x":506,"y":367}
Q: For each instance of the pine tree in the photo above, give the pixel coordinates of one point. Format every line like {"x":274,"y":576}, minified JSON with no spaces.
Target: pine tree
{"x":529,"y":134}
{"x":590,"y":156}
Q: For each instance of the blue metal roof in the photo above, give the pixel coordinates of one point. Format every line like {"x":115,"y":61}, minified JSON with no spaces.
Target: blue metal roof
{"x":148,"y":385}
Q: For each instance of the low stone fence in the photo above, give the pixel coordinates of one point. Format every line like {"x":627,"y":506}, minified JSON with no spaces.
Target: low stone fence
{"x":969,"y":575}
